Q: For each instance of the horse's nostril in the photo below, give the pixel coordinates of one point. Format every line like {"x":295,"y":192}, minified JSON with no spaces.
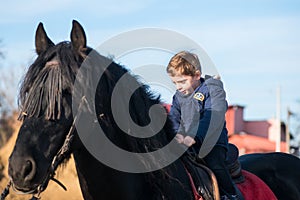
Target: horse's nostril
{"x":29,"y":169}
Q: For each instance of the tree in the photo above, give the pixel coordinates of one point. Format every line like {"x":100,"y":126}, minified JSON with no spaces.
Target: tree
{"x":1,"y":51}
{"x":8,"y":85}
{"x":1,"y":57}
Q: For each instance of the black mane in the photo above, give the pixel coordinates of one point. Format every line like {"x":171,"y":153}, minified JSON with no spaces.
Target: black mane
{"x":52,"y":73}
{"x":141,"y":100}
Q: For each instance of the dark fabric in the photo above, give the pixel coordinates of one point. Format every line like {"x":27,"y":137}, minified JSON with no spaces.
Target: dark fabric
{"x":203,"y":119}
{"x":215,"y":160}
{"x":202,"y":116}
{"x":200,"y":176}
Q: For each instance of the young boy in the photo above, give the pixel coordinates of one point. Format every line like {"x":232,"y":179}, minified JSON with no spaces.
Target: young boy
{"x":194,"y":105}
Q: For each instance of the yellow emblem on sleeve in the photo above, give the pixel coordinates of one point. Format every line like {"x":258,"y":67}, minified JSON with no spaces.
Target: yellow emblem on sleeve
{"x":199,"y":96}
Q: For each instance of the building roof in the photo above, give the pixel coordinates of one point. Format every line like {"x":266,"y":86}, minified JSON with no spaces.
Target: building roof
{"x":251,"y":144}
{"x":236,"y":106}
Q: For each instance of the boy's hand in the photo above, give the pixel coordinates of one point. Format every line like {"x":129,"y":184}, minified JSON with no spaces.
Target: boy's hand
{"x":189,"y":141}
{"x":179,"y":138}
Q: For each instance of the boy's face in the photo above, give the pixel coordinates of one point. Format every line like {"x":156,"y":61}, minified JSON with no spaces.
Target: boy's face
{"x":186,"y":84}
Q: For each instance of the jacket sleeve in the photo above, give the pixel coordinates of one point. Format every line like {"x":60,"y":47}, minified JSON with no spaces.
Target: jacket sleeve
{"x":175,"y":115}
{"x":212,"y":116}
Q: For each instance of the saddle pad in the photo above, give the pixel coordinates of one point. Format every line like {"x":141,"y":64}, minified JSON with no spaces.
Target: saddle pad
{"x":254,"y":188}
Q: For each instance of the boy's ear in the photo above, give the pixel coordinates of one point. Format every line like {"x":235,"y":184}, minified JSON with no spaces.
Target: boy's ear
{"x":198,"y":74}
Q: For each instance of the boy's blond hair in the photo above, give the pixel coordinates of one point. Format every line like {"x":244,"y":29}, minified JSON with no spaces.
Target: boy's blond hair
{"x":184,"y":63}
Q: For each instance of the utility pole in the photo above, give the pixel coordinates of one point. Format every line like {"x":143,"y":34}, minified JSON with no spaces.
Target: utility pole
{"x":278,"y":107}
{"x":287,"y":130}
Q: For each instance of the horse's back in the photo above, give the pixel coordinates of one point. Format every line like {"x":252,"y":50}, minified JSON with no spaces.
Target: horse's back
{"x":280,"y":171}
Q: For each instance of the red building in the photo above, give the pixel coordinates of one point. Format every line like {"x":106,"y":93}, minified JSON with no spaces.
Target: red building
{"x":252,"y":136}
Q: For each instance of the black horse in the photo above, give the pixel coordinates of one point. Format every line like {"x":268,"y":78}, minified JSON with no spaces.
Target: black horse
{"x":49,"y":135}
{"x":57,"y":96}
{"x":278,"y":170}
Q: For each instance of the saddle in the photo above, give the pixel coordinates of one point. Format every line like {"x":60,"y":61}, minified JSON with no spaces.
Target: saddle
{"x":204,"y":181}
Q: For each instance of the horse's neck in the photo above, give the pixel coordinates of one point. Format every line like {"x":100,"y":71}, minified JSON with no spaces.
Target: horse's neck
{"x":98,"y":181}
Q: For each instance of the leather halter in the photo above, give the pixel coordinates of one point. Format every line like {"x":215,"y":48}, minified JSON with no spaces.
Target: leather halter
{"x":58,"y":158}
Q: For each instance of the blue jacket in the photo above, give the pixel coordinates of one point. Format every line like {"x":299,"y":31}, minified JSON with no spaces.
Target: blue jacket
{"x":202,"y":114}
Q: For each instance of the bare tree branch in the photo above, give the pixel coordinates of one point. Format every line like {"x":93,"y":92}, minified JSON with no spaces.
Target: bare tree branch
{"x":1,"y":50}
{"x":9,"y":77}
{"x":8,"y":88}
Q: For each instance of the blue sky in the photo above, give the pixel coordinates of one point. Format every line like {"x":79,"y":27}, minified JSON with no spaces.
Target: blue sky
{"x":255,"y":45}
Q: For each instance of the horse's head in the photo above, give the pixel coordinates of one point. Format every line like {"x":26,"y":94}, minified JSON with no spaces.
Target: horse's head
{"x":46,"y":103}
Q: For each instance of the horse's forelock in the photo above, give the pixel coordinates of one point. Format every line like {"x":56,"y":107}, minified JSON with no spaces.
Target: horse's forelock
{"x":46,"y":79}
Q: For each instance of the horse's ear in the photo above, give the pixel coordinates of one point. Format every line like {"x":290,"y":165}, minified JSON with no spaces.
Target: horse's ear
{"x":42,"y":41}
{"x":78,"y":37}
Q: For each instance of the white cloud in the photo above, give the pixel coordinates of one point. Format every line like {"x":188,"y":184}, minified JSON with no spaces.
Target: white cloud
{"x":254,"y":57}
{"x":12,"y":11}
{"x":252,"y":44}
{"x":115,"y":7}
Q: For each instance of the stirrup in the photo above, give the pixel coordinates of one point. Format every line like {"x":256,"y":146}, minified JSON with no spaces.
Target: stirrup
{"x":231,"y":197}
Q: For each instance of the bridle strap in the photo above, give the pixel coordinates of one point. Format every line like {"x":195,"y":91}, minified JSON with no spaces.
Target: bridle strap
{"x":5,"y":191}
{"x":58,"y":158}
{"x":62,"y":153}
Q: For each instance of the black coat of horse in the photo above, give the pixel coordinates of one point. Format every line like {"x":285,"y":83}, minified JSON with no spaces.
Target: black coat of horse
{"x":48,"y":135}
{"x":279,"y":171}
{"x":46,"y":102}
